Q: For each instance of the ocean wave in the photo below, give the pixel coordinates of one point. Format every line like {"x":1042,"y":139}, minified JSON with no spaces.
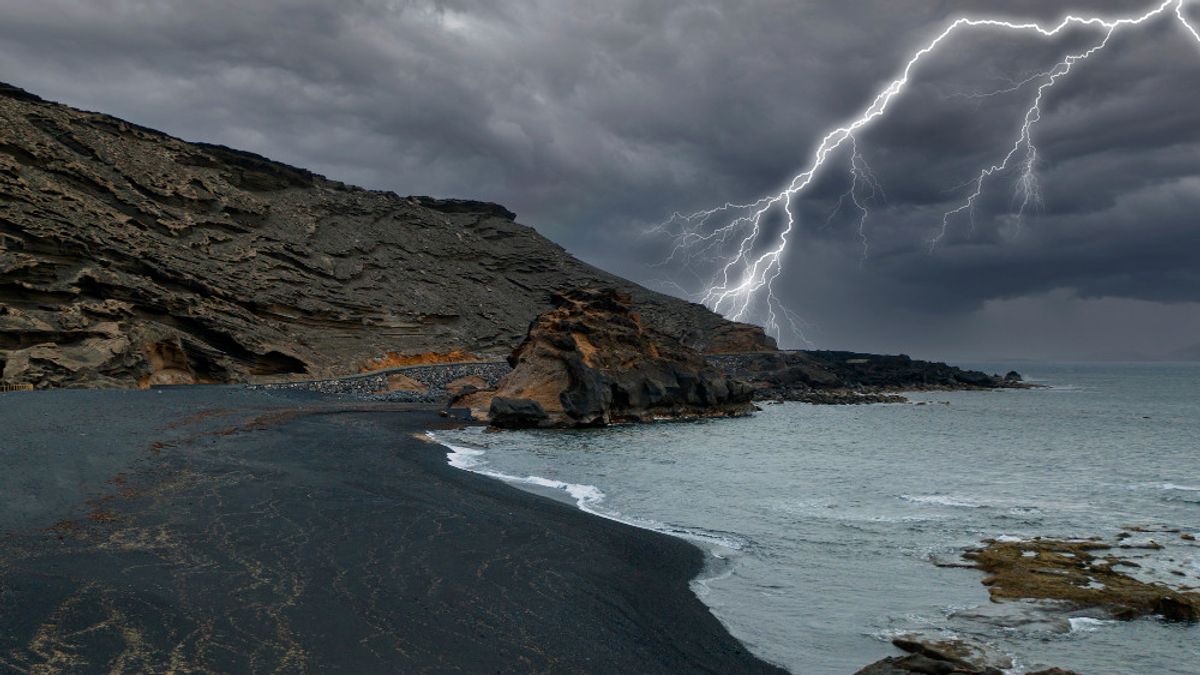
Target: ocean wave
{"x":461,"y":457}
{"x":1180,"y":488}
{"x":1063,"y":389}
{"x":588,"y":498}
{"x":943,"y":500}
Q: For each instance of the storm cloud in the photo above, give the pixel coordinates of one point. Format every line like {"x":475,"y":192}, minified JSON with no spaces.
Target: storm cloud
{"x":596,"y":120}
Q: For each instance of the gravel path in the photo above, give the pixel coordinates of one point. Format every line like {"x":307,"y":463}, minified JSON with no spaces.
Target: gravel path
{"x":370,"y":386}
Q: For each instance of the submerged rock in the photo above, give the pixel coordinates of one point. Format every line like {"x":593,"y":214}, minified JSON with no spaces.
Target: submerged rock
{"x":591,"y":361}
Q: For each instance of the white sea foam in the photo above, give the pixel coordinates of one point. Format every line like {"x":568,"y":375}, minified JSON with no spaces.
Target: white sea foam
{"x":1086,"y":624}
{"x":587,"y":497}
{"x":460,"y":457}
{"x":942,"y":500}
{"x":1064,"y":388}
{"x":1180,"y":488}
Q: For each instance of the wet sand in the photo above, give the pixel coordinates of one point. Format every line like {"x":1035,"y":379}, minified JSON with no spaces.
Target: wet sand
{"x":215,"y":529}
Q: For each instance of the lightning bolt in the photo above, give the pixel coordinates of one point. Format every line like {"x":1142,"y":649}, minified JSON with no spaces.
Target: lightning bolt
{"x":864,"y":188}
{"x":758,"y":233}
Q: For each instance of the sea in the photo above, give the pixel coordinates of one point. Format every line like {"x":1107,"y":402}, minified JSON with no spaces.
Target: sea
{"x":831,"y":530}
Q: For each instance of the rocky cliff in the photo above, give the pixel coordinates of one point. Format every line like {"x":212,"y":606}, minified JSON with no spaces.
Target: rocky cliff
{"x":591,"y":361}
{"x":130,"y":257}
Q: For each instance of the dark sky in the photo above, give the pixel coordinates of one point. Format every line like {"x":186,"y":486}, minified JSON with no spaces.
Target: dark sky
{"x":596,"y":120}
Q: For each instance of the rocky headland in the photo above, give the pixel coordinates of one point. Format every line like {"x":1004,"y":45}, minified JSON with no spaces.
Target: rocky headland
{"x":592,"y":361}
{"x":840,"y":377}
{"x":129,"y":257}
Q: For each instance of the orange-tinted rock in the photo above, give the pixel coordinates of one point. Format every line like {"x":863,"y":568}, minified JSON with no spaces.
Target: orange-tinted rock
{"x":398,"y":360}
{"x":462,"y":384}
{"x":591,"y":361}
{"x":1071,"y":571}
{"x":402,"y":382}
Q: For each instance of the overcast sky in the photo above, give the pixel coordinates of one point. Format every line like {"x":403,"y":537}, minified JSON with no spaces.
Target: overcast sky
{"x":596,"y":120}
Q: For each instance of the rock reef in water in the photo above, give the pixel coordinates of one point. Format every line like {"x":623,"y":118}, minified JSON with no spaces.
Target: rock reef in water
{"x":933,"y":658}
{"x":944,"y":657}
{"x":591,"y":361}
{"x":130,"y":257}
{"x":1075,"y":572}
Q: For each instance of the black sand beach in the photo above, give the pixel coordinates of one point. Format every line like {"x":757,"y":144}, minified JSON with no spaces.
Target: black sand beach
{"x":218,"y":529}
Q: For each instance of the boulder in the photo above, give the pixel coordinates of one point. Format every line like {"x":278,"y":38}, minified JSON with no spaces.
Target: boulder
{"x":591,"y":361}
{"x":517,"y":413}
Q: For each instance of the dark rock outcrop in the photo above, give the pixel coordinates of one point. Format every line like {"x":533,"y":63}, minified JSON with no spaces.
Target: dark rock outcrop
{"x":517,"y":413}
{"x":592,"y":361}
{"x":933,"y":658}
{"x":849,"y":377}
{"x":946,"y":657}
{"x":128,"y":256}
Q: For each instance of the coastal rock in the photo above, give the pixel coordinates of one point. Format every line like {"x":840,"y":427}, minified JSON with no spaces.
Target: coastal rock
{"x":517,"y":413}
{"x":128,"y":257}
{"x":832,"y":377}
{"x":1073,"y":572}
{"x":737,"y":338}
{"x":591,"y":361}
{"x":933,"y":658}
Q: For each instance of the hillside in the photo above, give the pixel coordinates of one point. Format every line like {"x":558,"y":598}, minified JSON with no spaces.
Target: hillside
{"x":131,"y":257}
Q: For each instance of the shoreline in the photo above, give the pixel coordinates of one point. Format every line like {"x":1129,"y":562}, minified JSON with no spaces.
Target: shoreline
{"x":313,"y":533}
{"x":581,"y":496}
{"x":586,"y":498}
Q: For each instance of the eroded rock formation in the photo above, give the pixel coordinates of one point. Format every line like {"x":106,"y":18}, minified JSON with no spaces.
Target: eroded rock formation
{"x":593,"y":361}
{"x":128,"y":256}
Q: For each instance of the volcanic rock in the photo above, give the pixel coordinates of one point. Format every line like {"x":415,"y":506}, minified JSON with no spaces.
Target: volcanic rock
{"x":837,"y":377}
{"x":130,"y":257}
{"x":930,"y":657}
{"x":517,"y":413}
{"x":592,"y":361}
{"x":1073,"y":572}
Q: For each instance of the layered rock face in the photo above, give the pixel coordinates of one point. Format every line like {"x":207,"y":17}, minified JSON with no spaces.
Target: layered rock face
{"x":592,"y":361}
{"x":130,"y":257}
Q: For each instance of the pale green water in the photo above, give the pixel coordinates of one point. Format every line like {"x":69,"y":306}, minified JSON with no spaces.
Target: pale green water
{"x":829,"y":516}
